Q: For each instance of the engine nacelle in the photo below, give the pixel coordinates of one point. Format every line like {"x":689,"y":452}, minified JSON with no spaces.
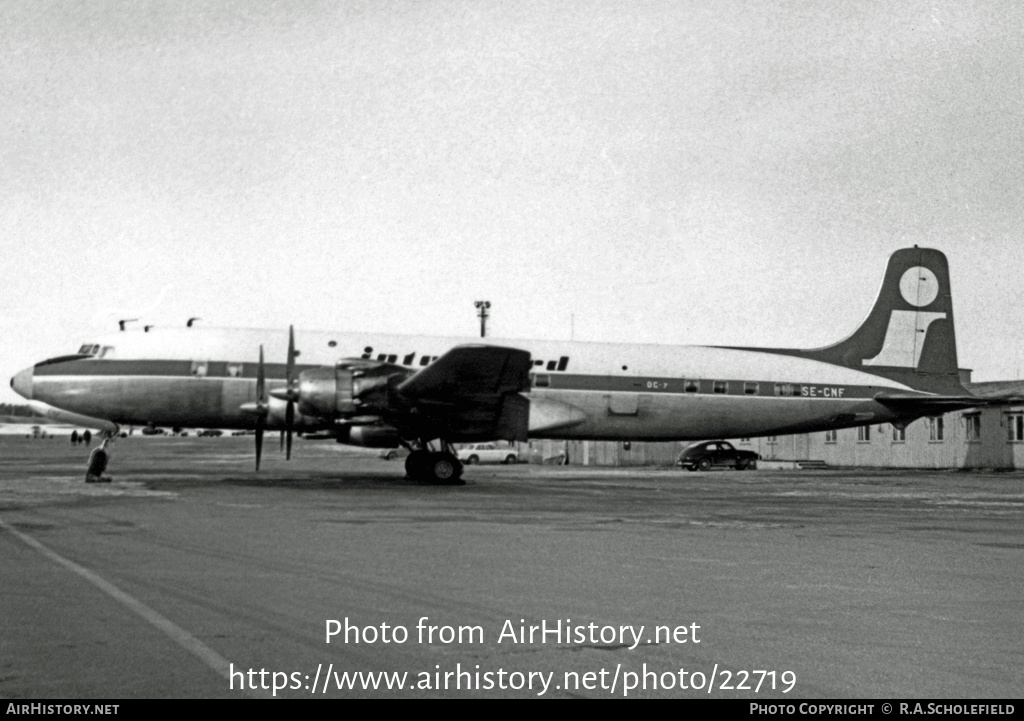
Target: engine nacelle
{"x":368,"y":436}
{"x":325,"y":392}
{"x":336,"y":392}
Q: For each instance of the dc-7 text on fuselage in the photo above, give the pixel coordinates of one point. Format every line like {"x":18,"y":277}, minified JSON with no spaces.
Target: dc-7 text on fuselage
{"x":429,"y":392}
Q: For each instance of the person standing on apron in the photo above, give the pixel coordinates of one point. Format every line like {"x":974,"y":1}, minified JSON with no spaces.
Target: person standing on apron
{"x":98,"y":460}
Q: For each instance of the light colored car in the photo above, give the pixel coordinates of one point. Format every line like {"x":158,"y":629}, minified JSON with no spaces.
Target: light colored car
{"x":487,"y":453}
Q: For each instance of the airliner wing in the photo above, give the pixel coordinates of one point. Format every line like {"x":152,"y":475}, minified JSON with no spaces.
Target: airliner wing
{"x":470,"y":371}
{"x":474,"y":390}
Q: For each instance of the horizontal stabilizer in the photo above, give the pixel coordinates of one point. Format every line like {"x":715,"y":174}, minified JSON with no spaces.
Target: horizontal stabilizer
{"x":907,"y":404}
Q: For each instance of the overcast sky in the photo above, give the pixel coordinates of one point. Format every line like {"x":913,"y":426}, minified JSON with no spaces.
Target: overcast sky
{"x":672,"y":172}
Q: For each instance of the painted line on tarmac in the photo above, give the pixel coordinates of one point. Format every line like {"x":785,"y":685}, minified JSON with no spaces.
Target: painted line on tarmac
{"x":177,"y":634}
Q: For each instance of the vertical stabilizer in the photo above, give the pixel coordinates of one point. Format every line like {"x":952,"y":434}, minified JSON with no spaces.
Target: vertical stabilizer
{"x":908,"y":336}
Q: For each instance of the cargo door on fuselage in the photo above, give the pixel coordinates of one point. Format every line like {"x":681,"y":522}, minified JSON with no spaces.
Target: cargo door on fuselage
{"x":623,"y":404}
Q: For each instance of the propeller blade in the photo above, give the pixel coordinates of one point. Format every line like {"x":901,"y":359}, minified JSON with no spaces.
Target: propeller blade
{"x":289,"y":421}
{"x":261,"y":405}
{"x":290,"y":372}
{"x":261,"y":380}
{"x":259,"y":440}
{"x":289,"y":414}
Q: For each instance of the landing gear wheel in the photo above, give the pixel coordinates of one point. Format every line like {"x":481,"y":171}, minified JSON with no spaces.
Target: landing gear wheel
{"x":416,"y":463}
{"x":444,"y":469}
{"x":435,"y":468}
{"x":704,"y":465}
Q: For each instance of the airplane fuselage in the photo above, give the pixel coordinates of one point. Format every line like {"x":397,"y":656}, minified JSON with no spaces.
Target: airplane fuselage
{"x":200,"y":377}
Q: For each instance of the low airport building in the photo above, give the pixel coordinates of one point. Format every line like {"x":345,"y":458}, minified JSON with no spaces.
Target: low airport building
{"x":988,"y":437}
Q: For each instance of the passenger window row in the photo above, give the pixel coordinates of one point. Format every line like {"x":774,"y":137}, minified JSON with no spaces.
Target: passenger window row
{"x":750,"y":388}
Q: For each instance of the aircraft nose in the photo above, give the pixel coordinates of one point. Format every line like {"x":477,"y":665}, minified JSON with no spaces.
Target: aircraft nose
{"x":22,"y":383}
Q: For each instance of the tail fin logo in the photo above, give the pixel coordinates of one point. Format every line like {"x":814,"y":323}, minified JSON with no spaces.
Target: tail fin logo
{"x":907,"y":329}
{"x":919,"y":287}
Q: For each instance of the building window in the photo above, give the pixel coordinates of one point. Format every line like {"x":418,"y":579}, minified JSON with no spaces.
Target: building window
{"x":899,"y":435}
{"x":744,"y":440}
{"x":1015,"y":427}
{"x":772,"y":440}
{"x":831,"y":436}
{"x":863,"y":434}
{"x":935,"y":434}
{"x":972,"y":421}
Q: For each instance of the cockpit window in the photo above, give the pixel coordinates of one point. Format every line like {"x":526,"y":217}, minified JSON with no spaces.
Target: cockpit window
{"x":89,"y":349}
{"x":106,"y":350}
{"x":61,"y":359}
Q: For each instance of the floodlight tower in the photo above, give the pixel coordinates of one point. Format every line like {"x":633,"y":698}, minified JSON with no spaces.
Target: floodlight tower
{"x":482,"y":306}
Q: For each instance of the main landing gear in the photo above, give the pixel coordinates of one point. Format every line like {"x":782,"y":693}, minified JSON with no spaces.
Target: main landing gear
{"x":439,"y":468}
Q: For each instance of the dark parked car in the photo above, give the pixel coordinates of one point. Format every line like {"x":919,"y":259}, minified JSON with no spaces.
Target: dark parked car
{"x":716,"y":453}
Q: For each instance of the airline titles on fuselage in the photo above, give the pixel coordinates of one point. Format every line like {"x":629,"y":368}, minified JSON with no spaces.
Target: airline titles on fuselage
{"x":409,"y":359}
